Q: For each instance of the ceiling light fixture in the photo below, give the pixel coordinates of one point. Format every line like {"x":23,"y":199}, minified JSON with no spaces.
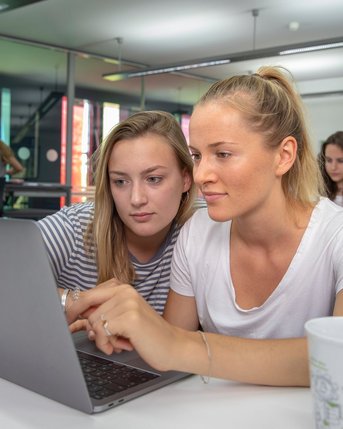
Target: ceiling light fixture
{"x":164,"y":69}
{"x":254,"y":54}
{"x":312,"y":48}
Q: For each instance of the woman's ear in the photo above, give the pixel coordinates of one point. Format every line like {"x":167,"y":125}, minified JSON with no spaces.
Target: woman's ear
{"x":287,"y":154}
{"x":187,"y":180}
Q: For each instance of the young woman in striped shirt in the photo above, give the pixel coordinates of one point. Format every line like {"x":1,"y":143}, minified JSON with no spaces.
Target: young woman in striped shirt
{"x":144,"y":193}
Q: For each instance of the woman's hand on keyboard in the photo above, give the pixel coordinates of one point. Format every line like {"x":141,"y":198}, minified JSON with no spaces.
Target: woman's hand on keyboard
{"x":123,"y":320}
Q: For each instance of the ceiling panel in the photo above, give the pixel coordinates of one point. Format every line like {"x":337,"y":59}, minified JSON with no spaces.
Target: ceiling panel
{"x":141,"y":33}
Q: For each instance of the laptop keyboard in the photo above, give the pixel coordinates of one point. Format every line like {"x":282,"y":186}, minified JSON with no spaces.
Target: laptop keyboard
{"x":105,"y":378}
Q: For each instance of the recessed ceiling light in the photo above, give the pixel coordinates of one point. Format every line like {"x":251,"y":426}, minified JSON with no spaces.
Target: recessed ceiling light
{"x":293,"y":26}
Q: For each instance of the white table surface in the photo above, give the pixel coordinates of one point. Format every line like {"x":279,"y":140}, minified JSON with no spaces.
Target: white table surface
{"x":185,"y":404}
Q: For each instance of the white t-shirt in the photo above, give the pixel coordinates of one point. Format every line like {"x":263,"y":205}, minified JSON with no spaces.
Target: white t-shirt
{"x":200,"y":268}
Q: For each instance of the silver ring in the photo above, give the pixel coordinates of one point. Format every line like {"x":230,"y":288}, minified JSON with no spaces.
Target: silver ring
{"x":105,"y":326}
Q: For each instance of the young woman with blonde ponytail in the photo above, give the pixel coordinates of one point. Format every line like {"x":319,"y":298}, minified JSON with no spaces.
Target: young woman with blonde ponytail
{"x":262,"y":259}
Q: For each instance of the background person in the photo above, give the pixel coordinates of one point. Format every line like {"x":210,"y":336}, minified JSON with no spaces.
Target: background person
{"x":7,"y":158}
{"x":143,"y":193}
{"x":265,"y":257}
{"x":331,"y":163}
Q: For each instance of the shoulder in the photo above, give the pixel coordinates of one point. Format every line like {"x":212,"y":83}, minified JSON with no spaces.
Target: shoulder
{"x":81,"y":211}
{"x":328,"y":212}
{"x":70,"y":217}
{"x":326,"y":224}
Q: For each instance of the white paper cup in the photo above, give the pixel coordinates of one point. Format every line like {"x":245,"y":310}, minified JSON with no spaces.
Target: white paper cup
{"x":325,"y":341}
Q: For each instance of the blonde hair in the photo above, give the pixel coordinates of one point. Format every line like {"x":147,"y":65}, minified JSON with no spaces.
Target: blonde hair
{"x":272,"y":106}
{"x":5,"y":151}
{"x":106,"y":230}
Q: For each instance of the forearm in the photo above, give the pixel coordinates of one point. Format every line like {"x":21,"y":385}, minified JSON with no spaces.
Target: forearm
{"x":269,"y":362}
{"x":15,"y":166}
{"x":165,"y":346}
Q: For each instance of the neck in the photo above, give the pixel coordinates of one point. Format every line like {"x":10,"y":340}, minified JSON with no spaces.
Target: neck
{"x":145,"y":248}
{"x":340,"y":188}
{"x":273,"y":226}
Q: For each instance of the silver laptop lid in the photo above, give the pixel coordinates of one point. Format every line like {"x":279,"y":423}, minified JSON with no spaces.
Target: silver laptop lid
{"x":36,"y":350}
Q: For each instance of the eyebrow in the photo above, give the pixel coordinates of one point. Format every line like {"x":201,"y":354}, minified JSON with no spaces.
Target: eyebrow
{"x":214,"y":145}
{"x":147,"y":171}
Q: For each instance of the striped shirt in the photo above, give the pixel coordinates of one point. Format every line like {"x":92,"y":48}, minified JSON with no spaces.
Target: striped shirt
{"x":73,"y":266}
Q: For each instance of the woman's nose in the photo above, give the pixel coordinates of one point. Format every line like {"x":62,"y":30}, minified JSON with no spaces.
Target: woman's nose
{"x":202,"y":172}
{"x":333,"y":165}
{"x":138,"y":195}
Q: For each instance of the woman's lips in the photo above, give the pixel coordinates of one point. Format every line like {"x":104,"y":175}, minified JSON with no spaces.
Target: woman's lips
{"x":142,"y":217}
{"x":213,"y":196}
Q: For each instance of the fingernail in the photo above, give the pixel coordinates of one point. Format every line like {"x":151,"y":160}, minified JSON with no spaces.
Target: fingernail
{"x":91,"y":335}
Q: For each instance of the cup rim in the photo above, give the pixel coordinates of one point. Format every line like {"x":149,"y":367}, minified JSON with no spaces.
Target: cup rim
{"x":310,"y":330}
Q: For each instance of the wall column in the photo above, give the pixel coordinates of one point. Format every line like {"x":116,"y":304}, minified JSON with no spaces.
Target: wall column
{"x":70,"y":104}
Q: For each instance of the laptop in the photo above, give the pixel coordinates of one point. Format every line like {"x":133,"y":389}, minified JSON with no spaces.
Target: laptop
{"x":38,"y":352}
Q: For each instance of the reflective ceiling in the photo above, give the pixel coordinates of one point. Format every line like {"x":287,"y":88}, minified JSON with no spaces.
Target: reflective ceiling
{"x":110,"y":36}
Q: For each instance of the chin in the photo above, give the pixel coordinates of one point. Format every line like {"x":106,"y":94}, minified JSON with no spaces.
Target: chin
{"x":217,"y":215}
{"x":145,"y":233}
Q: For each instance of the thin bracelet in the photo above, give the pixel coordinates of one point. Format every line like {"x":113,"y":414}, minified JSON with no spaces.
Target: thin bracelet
{"x":206,"y":379}
{"x":75,"y":295}
{"x":64,"y":299}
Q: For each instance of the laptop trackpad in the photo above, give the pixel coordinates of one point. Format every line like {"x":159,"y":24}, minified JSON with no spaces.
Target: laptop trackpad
{"x":83,"y":344}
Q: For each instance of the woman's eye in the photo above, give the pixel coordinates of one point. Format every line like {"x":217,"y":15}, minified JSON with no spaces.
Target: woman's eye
{"x":195,"y":156}
{"x":119,"y":182}
{"x":223,"y":154}
{"x":154,"y":179}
